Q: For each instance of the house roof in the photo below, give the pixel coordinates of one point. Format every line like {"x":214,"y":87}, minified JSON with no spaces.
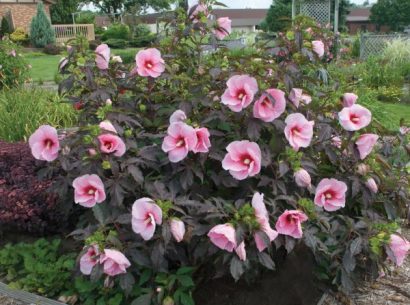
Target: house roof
{"x":239,"y":17}
{"x":359,"y":14}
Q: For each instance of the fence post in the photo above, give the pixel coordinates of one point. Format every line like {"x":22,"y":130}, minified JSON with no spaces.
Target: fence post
{"x":361,"y":46}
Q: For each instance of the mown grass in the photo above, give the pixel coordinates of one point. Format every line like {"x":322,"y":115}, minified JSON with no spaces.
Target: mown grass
{"x":22,"y":111}
{"x":44,"y":67}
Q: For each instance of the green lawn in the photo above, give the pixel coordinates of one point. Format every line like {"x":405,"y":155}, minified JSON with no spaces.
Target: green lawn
{"x":44,"y":67}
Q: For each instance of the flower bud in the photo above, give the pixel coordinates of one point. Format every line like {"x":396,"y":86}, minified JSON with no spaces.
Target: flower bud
{"x":92,"y":152}
{"x":168,"y":301}
{"x":108,"y":102}
{"x":142,"y":107}
{"x":371,"y":185}
{"x":302,"y":178}
{"x":117,"y":59}
{"x":106,"y":165}
{"x":362,"y":169}
{"x":177,"y":229}
{"x":128,"y":133}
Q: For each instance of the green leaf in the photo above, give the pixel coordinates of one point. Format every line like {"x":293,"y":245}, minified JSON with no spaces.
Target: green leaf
{"x":127,"y":281}
{"x":186,"y":281}
{"x":116,"y":300}
{"x":236,"y":268}
{"x":266,"y":260}
{"x":142,"y":300}
{"x":145,"y":276}
{"x":186,"y":299}
{"x":185,"y":270}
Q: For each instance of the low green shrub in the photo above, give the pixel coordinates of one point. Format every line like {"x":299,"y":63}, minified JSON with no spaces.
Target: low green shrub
{"x":117,"y":43}
{"x":37,"y":267}
{"x":143,"y":41}
{"x":52,"y":49}
{"x":117,"y":31}
{"x":23,"y":110}
{"x":19,"y":36}
{"x":14,"y":69}
{"x":141,"y":30}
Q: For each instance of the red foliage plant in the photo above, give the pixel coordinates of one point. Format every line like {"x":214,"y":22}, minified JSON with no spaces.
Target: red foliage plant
{"x":25,"y":201}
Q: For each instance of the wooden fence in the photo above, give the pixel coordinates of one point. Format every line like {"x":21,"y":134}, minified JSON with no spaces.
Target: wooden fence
{"x":65,"y":32}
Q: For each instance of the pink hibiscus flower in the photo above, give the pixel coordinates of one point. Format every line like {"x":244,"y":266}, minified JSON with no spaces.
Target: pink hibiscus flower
{"x":114,"y":262}
{"x":318,"y":47}
{"x":223,"y":236}
{"x":331,"y":194}
{"x":290,"y":223}
{"x":243,"y":159}
{"x":223,"y":27}
{"x":268,"y":110}
{"x":177,"y":116}
{"x":262,"y":217}
{"x":354,"y":117}
{"x":297,"y":96}
{"x":203,"y":143}
{"x":365,"y":144}
{"x":200,"y":9}
{"x":149,"y":63}
{"x":298,"y":130}
{"x":145,"y":216}
{"x":240,"y":92}
{"x":372,"y":185}
{"x":302,"y":178}
{"x":181,"y":139}
{"x":103,"y":56}
{"x":112,"y":144}
{"x":44,"y":143}
{"x":349,"y":99}
{"x":107,"y":126}
{"x":88,"y":190}
{"x":177,"y":227}
{"x":398,"y":249}
{"x":89,"y":260}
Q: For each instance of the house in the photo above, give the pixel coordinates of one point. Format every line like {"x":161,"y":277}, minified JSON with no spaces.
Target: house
{"x":359,"y":20}
{"x":20,"y":12}
{"x":243,"y":20}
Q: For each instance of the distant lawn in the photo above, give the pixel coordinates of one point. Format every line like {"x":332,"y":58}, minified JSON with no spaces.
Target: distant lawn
{"x":44,"y":67}
{"x":389,"y":114}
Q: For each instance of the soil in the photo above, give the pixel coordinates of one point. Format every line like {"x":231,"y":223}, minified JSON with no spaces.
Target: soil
{"x":292,"y":284}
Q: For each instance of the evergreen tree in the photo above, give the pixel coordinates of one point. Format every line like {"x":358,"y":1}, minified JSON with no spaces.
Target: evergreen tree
{"x":41,"y":32}
{"x":5,"y":27}
{"x":279,"y":16}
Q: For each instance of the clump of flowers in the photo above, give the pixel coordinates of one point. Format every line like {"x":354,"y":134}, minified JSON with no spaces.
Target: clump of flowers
{"x":210,"y":160}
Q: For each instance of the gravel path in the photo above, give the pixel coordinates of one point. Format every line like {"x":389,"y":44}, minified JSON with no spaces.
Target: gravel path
{"x":392,"y":289}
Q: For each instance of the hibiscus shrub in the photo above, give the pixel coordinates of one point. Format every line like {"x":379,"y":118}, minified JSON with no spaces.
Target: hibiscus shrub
{"x":14,"y":69}
{"x":216,"y":160}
